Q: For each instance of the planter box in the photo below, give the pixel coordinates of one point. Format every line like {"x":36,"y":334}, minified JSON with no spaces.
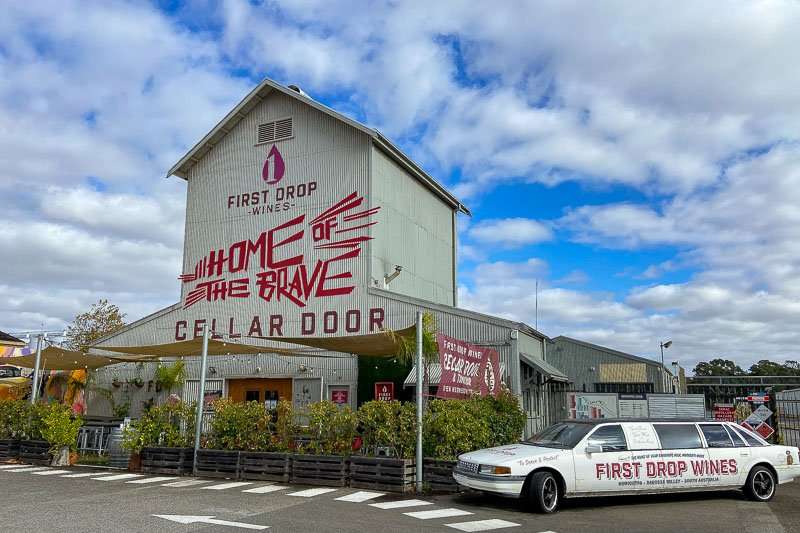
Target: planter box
{"x":382,"y":473}
{"x":438,"y":475}
{"x":174,"y":461}
{"x":9,"y":449}
{"x":329,"y":470}
{"x":265,"y":466}
{"x":36,"y":452}
{"x":218,"y":463}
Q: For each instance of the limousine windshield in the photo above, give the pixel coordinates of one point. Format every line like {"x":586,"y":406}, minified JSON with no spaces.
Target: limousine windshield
{"x":562,"y":435}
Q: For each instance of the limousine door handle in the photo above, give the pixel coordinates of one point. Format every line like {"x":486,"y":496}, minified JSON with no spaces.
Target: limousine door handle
{"x":744,"y":453}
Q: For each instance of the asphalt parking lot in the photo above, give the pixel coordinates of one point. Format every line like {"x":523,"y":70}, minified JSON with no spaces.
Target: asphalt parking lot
{"x":48,"y":499}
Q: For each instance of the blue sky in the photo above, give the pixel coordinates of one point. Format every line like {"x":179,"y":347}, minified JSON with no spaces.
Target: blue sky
{"x":640,"y":161}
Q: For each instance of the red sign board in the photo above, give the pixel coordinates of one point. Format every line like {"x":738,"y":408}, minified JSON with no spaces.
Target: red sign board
{"x":384,"y":391}
{"x":747,"y":426}
{"x":340,"y":396}
{"x":724,"y":412}
{"x":467,"y":369}
{"x":765,"y":430}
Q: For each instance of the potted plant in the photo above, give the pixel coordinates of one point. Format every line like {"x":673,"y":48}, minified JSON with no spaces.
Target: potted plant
{"x":167,"y":377}
{"x":162,"y":437}
{"x":33,"y":448}
{"x":60,"y":428}
{"x":324,"y":457}
{"x":12,"y":417}
{"x":137,"y":380}
{"x":388,"y":435}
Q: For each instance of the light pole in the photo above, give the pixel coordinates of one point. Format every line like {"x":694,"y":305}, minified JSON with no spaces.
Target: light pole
{"x":663,"y":368}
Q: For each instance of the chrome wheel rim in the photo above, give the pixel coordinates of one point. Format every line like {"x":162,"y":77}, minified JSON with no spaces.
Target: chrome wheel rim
{"x":763,"y":484}
{"x":549,"y":493}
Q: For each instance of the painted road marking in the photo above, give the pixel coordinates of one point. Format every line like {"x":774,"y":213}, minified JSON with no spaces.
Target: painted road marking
{"x":223,"y":486}
{"x":186,"y":483}
{"x":438,"y":513}
{"x":181,"y":519}
{"x":482,"y":525}
{"x":6,"y":467}
{"x":400,"y":504}
{"x":88,"y":474}
{"x":50,"y":472}
{"x":150,"y":480}
{"x":265,"y":489}
{"x":311,"y":492}
{"x":361,"y":496}
{"x":118,"y":477}
{"x":29,"y":469}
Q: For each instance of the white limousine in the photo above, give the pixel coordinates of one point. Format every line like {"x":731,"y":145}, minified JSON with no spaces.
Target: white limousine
{"x":608,"y":457}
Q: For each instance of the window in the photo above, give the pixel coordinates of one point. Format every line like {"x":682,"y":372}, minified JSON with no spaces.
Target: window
{"x":716,"y":436}
{"x":252,"y":396}
{"x":561,"y":435}
{"x":678,"y":436}
{"x":610,"y":438}
{"x":749,"y":438}
{"x":624,"y":388}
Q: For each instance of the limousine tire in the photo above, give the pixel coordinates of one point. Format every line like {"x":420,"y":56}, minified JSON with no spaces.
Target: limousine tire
{"x":544,"y":492}
{"x":760,"y":484}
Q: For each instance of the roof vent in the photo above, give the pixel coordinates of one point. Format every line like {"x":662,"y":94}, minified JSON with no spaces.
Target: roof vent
{"x":297,"y":89}
{"x":277,"y":130}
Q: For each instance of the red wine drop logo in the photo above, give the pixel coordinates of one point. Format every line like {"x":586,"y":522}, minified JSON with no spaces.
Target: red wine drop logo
{"x":274,"y":167}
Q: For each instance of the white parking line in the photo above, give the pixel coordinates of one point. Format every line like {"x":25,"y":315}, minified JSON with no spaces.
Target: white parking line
{"x":50,"y":472}
{"x":265,"y":489}
{"x":482,"y":525}
{"x":361,"y":496}
{"x":438,"y":513}
{"x":6,"y":467}
{"x":88,"y":474}
{"x":308,"y":493}
{"x":118,"y":477}
{"x":150,"y":480}
{"x":223,"y":486}
{"x":400,"y":504}
{"x":186,"y":483}
{"x":29,"y":469}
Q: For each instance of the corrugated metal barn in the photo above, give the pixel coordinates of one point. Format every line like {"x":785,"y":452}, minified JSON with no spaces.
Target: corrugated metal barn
{"x":301,"y":222}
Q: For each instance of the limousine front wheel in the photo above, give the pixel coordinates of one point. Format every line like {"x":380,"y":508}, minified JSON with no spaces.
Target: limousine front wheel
{"x":760,"y":484}
{"x":544,"y":492}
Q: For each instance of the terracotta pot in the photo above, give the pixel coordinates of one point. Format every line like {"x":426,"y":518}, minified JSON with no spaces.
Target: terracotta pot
{"x":135,"y":463}
{"x":73,"y":458}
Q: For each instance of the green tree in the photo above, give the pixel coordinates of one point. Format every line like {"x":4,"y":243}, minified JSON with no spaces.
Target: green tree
{"x":102,"y":319}
{"x":718,"y":367}
{"x":766,"y":367}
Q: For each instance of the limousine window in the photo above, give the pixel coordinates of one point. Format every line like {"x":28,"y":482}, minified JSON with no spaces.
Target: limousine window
{"x":562,"y":435}
{"x":749,"y":438}
{"x":611,"y":438}
{"x":716,"y":436}
{"x":678,"y":436}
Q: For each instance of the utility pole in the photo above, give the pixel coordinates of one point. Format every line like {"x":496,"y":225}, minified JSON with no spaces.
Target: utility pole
{"x":200,"y":397}
{"x":418,"y":475}
{"x":36,"y":368}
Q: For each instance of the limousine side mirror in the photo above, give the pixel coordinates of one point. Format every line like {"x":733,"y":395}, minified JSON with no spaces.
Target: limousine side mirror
{"x":593,"y":448}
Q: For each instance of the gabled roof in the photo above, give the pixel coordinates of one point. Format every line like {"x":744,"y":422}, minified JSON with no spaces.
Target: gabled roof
{"x":10,"y":340}
{"x":257,"y":95}
{"x":609,"y":350}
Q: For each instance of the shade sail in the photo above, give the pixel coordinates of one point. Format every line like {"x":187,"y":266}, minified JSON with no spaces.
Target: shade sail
{"x":194,"y":347}
{"x":54,"y":358}
{"x":382,"y":344}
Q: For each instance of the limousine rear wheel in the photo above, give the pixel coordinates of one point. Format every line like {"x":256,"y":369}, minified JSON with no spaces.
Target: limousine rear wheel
{"x":544,"y":492}
{"x":760,"y":484}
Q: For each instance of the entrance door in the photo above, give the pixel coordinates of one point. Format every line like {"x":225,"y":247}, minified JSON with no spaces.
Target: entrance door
{"x":261,"y":390}
{"x":724,"y":458}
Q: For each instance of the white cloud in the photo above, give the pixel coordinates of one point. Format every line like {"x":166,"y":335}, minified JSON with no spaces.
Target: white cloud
{"x":510,"y":232}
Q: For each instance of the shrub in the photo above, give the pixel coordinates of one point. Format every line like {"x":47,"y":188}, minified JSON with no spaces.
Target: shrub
{"x":452,"y":427}
{"x":60,"y":427}
{"x":285,"y":427}
{"x":505,"y":417}
{"x":13,"y":418}
{"x":391,"y":424}
{"x":34,"y":421}
{"x":331,"y":429}
{"x":240,"y":426}
{"x":170,"y":425}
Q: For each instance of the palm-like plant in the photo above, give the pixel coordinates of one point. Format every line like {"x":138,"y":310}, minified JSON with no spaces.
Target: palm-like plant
{"x":407,"y":346}
{"x":167,"y":377}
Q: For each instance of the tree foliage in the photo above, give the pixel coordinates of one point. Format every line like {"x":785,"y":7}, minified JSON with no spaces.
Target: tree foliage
{"x":764,"y":367}
{"x":718,"y":367}
{"x":102,"y":319}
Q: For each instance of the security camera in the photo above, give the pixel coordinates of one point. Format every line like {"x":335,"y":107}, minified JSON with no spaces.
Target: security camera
{"x":398,"y":268}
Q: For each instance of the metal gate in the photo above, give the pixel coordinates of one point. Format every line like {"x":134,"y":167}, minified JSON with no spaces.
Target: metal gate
{"x":788,"y":406}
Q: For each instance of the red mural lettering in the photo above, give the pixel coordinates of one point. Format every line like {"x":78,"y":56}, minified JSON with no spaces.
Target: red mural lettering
{"x":376,"y":316}
{"x":180,"y":330}
{"x":283,"y":273}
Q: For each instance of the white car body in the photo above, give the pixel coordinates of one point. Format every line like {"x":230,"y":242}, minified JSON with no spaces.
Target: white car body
{"x":645,"y":467}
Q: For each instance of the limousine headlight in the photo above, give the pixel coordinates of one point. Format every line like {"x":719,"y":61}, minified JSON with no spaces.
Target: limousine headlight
{"x":496,"y":470}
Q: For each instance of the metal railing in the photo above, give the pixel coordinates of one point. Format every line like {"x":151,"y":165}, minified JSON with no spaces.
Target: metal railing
{"x":93,"y":439}
{"x":788,"y":407}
